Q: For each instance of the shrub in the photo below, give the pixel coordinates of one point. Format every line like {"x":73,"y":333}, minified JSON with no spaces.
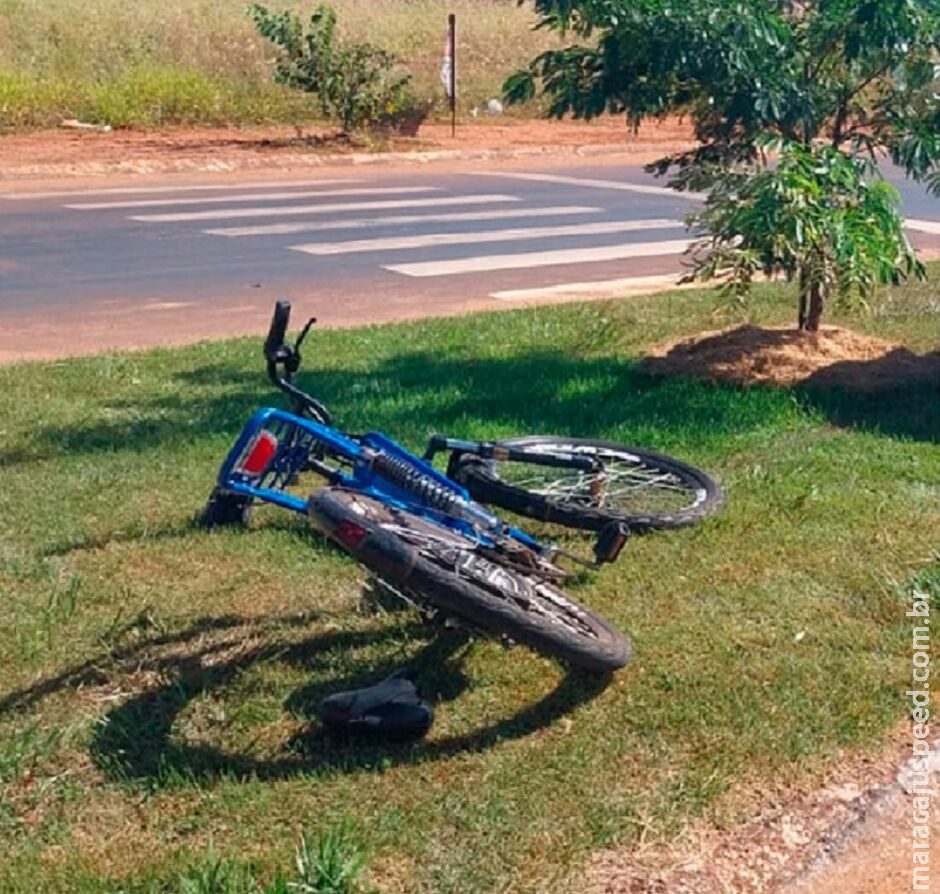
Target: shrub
{"x":355,"y":84}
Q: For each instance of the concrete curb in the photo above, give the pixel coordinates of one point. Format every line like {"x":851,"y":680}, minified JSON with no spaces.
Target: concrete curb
{"x":275,"y":160}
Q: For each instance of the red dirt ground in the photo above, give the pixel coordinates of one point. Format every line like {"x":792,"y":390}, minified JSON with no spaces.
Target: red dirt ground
{"x":63,"y":152}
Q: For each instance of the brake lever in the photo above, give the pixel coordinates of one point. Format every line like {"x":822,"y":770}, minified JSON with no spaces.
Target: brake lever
{"x":303,"y":334}
{"x":289,"y":357}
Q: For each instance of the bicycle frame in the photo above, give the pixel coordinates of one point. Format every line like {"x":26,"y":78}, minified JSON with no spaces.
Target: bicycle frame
{"x":276,"y":446}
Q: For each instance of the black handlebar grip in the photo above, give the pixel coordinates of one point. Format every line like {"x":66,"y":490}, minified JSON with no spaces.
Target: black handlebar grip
{"x":278,"y":331}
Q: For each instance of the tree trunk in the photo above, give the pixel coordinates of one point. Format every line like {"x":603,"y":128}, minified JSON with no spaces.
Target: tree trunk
{"x":815,"y":307}
{"x":812,"y":301}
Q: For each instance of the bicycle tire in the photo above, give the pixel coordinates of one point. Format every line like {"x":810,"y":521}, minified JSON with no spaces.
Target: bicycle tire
{"x":225,"y":510}
{"x":483,"y":479}
{"x":596,"y":646}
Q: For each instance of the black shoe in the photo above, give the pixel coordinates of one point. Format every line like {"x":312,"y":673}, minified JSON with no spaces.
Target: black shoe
{"x":390,"y":709}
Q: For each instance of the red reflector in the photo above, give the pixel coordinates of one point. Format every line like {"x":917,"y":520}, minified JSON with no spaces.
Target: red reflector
{"x":349,"y":533}
{"x":260,"y":454}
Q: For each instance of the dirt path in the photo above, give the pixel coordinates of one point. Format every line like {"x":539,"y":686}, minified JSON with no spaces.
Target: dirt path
{"x":850,"y":835}
{"x":877,"y":861}
{"x":70,"y":153}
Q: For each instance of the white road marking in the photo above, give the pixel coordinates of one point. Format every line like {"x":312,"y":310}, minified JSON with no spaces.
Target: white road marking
{"x":253,"y":197}
{"x":484,"y":263}
{"x":168,"y":305}
{"x":426,"y":240}
{"x":289,"y":210}
{"x":606,"y":288}
{"x":156,"y":190}
{"x":619,"y":185}
{"x":367,"y":222}
{"x":923,"y":226}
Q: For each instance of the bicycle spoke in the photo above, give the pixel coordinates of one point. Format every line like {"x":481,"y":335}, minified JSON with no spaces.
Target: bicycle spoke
{"x":625,"y":483}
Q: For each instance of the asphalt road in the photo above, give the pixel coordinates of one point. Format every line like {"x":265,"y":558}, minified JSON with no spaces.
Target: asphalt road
{"x":137,"y":264}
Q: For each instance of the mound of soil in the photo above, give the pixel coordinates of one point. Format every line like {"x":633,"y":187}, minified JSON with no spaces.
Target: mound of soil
{"x":832,"y":357}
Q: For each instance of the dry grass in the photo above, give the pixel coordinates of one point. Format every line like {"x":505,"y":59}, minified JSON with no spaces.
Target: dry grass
{"x":202,"y":61}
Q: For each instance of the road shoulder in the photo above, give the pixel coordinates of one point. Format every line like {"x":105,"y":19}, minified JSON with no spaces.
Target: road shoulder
{"x":59,"y":154}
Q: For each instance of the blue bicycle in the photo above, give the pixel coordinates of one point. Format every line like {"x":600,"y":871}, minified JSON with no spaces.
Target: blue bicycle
{"x":424,"y":536}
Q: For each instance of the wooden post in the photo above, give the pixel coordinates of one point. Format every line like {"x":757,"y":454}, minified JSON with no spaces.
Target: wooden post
{"x":452,"y":40}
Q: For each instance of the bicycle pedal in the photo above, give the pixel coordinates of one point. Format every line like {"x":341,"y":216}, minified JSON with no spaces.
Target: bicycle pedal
{"x":610,"y":542}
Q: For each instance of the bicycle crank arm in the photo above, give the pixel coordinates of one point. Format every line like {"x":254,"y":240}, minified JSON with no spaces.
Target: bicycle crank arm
{"x":607,"y":547}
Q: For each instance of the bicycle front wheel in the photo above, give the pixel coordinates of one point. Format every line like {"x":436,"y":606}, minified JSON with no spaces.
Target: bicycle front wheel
{"x":643,"y":489}
{"x":441,"y":569}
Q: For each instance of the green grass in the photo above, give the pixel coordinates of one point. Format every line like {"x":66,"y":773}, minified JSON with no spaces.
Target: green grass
{"x":201,"y":61}
{"x":158,"y":684}
{"x":330,"y":864}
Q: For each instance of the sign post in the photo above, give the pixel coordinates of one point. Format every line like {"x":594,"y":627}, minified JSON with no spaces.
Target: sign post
{"x":449,"y":70}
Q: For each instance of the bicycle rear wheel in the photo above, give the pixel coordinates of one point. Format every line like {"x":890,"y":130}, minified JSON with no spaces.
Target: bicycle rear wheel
{"x":446,"y":571}
{"x":643,"y":489}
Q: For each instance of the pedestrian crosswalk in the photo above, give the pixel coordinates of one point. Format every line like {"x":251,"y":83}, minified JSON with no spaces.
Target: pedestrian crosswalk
{"x":594,"y":183}
{"x":420,"y":230}
{"x":324,"y":208}
{"x":249,"y":197}
{"x":396,"y":243}
{"x":523,"y":233}
{"x":481,"y":264}
{"x":924,"y":226}
{"x":363,"y":223}
{"x":166,"y":190}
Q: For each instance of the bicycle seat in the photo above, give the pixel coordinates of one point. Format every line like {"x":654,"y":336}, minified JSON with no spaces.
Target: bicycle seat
{"x":391,"y":708}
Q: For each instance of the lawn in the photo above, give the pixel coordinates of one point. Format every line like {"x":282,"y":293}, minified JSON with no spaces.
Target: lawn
{"x":158,"y":684}
{"x":202,"y":62}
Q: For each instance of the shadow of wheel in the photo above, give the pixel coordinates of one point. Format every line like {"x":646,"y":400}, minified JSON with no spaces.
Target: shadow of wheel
{"x":139,"y":741}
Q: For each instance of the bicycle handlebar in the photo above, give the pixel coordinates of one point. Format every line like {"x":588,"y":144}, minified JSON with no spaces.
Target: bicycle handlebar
{"x":277,"y":333}
{"x":283,"y":361}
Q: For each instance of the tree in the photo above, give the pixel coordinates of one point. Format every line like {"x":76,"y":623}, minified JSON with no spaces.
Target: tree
{"x":793,"y":104}
{"x":355,"y":83}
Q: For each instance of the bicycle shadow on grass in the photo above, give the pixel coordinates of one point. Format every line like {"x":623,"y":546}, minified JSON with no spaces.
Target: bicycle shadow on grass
{"x":139,"y":740}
